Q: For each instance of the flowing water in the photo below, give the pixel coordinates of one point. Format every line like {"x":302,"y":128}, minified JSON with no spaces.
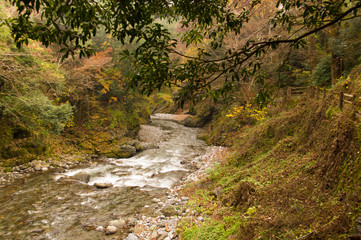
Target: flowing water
{"x":52,"y":206}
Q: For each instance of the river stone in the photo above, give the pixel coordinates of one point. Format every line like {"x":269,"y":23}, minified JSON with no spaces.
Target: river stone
{"x":155,"y":200}
{"x":37,"y":167}
{"x":37,"y":230}
{"x":162,"y":234}
{"x":185,"y":198}
{"x":124,"y":151}
{"x":132,"y":221}
{"x":119,"y":223}
{"x":100,"y":229}
{"x":82,"y":176}
{"x":154,"y":235}
{"x":186,"y":221}
{"x":138,"y":146}
{"x":178,"y":174}
{"x":172,"y":201}
{"x":132,"y":237}
{"x":169,"y":211}
{"x":146,"y":146}
{"x":110,"y":230}
{"x":103,"y":185}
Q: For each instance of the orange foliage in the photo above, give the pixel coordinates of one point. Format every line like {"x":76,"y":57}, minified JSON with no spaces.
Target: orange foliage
{"x":100,"y":59}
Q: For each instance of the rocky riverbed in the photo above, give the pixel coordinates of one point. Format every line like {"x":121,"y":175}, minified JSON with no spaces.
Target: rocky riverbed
{"x":135,"y":198}
{"x":67,"y":161}
{"x":172,"y":211}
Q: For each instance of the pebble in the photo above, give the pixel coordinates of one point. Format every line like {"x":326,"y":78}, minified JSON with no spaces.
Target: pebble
{"x":131,"y":237}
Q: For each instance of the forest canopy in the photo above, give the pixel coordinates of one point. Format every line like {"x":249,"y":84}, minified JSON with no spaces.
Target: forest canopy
{"x":235,"y":46}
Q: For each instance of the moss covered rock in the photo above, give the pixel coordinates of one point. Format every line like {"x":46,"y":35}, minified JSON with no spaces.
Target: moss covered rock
{"x":123,"y":151}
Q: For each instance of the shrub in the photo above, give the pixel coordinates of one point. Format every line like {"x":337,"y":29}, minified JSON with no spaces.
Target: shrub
{"x":321,"y":75}
{"x":38,"y":112}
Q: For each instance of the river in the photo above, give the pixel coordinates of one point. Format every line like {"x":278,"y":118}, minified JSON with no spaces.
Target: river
{"x":52,"y":205}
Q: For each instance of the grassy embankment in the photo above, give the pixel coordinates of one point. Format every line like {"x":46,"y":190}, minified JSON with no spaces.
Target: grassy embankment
{"x":295,"y":174}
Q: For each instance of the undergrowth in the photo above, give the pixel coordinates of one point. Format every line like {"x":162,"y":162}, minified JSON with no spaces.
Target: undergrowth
{"x":294,"y":175}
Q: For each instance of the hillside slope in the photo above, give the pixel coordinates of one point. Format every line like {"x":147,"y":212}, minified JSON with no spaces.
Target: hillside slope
{"x":294,"y":175}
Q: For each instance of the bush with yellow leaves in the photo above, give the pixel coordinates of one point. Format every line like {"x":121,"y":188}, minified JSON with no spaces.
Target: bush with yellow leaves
{"x":247,"y":114}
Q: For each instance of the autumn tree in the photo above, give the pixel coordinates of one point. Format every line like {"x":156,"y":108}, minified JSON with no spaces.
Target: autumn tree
{"x":72,"y":23}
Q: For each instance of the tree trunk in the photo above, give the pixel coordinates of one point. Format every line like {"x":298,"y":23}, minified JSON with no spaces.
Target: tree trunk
{"x":336,"y":61}
{"x":312,"y":52}
{"x":336,"y":69}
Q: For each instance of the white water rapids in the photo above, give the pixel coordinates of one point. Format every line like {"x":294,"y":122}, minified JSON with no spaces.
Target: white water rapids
{"x":158,"y":167}
{"x":47,"y":206}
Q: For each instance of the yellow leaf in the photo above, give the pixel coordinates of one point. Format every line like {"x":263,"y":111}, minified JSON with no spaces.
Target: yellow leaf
{"x":113,"y":99}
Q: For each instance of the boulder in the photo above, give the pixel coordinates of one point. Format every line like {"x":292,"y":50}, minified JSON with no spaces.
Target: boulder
{"x":124,"y":151}
{"x":203,"y":116}
{"x":138,"y":146}
{"x":82,"y":176}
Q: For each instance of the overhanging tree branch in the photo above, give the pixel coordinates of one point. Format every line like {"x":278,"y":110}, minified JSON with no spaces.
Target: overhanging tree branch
{"x":265,"y":44}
